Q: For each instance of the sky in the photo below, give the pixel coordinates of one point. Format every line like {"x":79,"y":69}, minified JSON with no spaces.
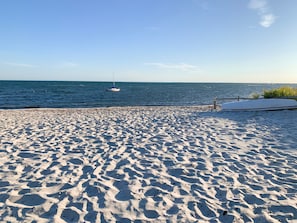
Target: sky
{"x":248,"y":41}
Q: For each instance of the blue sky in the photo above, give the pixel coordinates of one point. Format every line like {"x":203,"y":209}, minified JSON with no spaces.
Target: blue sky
{"x":149,"y":40}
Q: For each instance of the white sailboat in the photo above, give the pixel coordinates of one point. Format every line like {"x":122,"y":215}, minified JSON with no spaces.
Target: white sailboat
{"x":113,"y":88}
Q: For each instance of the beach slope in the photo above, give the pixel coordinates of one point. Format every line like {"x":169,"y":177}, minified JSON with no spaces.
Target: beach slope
{"x":147,"y":164}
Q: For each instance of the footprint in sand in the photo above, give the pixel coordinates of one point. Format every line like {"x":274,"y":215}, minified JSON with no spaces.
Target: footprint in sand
{"x":124,"y":193}
{"x":69,"y":215}
{"x":152,"y":214}
{"x":173,"y":210}
{"x":31,"y":200}
{"x":201,"y":207}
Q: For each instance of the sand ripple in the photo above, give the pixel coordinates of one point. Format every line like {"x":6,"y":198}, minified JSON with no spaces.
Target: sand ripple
{"x":147,"y":165}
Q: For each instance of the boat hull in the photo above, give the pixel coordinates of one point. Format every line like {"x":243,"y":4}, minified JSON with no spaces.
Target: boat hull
{"x":260,"y":105}
{"x":113,"y":89}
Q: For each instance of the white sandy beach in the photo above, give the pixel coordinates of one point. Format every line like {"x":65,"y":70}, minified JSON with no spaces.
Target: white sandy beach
{"x":147,"y":164}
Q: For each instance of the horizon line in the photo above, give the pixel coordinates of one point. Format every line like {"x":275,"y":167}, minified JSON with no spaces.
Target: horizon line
{"x":181,"y":82}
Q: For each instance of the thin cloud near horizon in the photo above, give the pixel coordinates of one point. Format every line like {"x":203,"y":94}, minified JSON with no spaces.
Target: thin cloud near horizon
{"x":178,"y":66}
{"x":12,"y":64}
{"x":68,"y":64}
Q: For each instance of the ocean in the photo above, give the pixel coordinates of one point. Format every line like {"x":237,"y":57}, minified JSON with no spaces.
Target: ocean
{"x":70,"y":94}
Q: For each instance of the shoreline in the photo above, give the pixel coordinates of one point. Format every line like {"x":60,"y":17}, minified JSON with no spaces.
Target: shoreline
{"x":200,"y":107}
{"x":157,"y":163}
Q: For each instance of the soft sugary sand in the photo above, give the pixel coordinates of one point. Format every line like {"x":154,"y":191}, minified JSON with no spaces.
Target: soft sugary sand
{"x":147,"y":164}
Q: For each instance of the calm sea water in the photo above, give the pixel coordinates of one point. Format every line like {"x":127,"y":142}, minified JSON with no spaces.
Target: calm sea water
{"x":57,"y":94}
